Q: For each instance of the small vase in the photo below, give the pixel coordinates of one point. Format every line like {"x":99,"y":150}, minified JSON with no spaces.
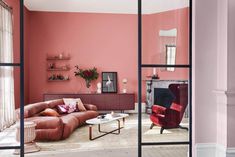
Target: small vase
{"x":88,"y":85}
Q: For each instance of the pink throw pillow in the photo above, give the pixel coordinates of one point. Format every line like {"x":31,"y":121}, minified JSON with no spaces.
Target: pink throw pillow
{"x":62,"y":109}
{"x":72,"y":107}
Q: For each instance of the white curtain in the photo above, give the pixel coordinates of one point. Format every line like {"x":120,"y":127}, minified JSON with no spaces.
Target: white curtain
{"x":7,"y":100}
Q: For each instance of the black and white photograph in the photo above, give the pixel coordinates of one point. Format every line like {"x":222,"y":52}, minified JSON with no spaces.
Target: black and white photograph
{"x":109,"y":82}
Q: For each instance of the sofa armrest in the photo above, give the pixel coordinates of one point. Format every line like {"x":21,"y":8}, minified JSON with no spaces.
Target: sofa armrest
{"x":90,"y":107}
{"x":17,"y":113}
{"x":172,"y":115}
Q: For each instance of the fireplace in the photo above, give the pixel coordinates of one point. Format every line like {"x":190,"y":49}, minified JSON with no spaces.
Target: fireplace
{"x":153,"y":85}
{"x":163,"y":97}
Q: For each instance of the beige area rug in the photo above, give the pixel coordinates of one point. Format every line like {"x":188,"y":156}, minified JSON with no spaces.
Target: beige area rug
{"x":124,"y":144}
{"x":169,"y":151}
{"x":79,"y":140}
{"x":159,"y":151}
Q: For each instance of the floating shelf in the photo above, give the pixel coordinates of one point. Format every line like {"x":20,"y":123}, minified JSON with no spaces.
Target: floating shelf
{"x":57,"y":80}
{"x":57,"y":58}
{"x":52,"y":68}
{"x":59,"y":69}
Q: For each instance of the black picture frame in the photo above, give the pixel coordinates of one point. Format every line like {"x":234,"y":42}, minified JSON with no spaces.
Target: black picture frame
{"x":109,"y":82}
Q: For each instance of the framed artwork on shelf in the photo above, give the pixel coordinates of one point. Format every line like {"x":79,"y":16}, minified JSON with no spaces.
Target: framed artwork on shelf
{"x":109,"y":82}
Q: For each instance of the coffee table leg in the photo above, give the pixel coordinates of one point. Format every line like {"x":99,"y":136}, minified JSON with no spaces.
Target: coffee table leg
{"x":119,"y":127}
{"x":90,"y":132}
{"x":111,"y":132}
{"x":106,"y":133}
{"x":99,"y":128}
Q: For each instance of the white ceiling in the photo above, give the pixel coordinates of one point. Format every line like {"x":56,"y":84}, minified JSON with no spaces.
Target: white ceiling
{"x":105,"y":6}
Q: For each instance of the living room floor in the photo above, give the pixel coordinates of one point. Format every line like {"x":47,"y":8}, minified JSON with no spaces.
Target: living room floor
{"x":123,"y":145}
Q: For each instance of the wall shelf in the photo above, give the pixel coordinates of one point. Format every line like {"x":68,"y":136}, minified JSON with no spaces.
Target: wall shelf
{"x":59,"y":69}
{"x":57,"y":58}
{"x":57,"y":80}
{"x":56,"y":65}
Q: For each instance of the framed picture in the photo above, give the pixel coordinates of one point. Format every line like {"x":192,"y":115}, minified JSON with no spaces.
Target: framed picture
{"x":109,"y":82}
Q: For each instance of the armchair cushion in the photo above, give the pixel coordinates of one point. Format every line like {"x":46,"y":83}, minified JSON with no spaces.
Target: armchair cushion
{"x":176,"y":107}
{"x":166,"y":117}
{"x":158,"y":109}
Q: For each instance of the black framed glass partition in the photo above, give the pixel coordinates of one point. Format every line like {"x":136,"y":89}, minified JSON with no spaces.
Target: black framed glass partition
{"x":165,"y":78}
{"x":12,"y":75}
{"x":154,"y":63}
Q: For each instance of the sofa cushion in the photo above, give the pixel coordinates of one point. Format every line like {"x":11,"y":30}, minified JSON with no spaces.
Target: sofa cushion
{"x":49,"y":134}
{"x":44,"y":122}
{"x":90,"y":107}
{"x":32,"y":109}
{"x":83,"y":116}
{"x":71,"y":101}
{"x":80,"y":105}
{"x":70,"y":123}
{"x":47,"y":128}
{"x":54,"y":103}
{"x":71,"y":104}
{"x":49,"y":112}
{"x":62,"y":109}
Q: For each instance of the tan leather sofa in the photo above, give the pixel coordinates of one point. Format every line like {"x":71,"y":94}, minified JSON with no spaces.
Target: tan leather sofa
{"x":50,"y":128}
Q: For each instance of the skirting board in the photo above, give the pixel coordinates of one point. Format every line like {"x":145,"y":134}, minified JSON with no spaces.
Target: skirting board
{"x":213,"y":150}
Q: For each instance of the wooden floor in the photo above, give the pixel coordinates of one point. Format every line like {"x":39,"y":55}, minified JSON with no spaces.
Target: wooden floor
{"x":123,"y":145}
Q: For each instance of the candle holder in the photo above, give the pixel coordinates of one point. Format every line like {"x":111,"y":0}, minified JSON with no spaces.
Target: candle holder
{"x":155,"y":76}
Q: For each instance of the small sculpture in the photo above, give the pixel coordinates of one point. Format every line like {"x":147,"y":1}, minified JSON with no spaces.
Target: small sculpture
{"x":99,"y":87}
{"x":124,"y":81}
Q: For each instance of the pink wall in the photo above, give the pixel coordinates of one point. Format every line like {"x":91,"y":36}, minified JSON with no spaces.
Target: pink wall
{"x":106,"y":41}
{"x":152,"y":24}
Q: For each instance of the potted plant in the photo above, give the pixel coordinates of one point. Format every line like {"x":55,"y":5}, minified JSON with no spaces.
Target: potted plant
{"x":87,"y":74}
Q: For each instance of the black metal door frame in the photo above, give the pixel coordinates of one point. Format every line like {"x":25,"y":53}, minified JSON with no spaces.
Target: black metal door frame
{"x":21,"y":66}
{"x":140,"y":66}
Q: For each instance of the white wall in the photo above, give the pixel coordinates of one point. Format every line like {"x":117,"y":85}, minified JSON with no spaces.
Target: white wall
{"x":214,"y":78}
{"x":205,"y":65}
{"x":222,"y":72}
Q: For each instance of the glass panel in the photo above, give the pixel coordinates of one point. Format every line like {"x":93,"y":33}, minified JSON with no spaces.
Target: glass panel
{"x":166,"y":117}
{"x":10,"y":33}
{"x":9,"y":103}
{"x":167,"y":151}
{"x":165,"y":23}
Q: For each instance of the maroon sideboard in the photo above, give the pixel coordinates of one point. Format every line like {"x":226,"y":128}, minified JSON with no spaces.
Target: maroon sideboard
{"x":103,"y":102}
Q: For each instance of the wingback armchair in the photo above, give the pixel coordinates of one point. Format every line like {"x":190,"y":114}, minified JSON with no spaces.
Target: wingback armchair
{"x":170,"y":117}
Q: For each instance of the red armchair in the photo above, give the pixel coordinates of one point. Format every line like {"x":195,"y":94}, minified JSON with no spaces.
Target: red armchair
{"x":168,"y":118}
